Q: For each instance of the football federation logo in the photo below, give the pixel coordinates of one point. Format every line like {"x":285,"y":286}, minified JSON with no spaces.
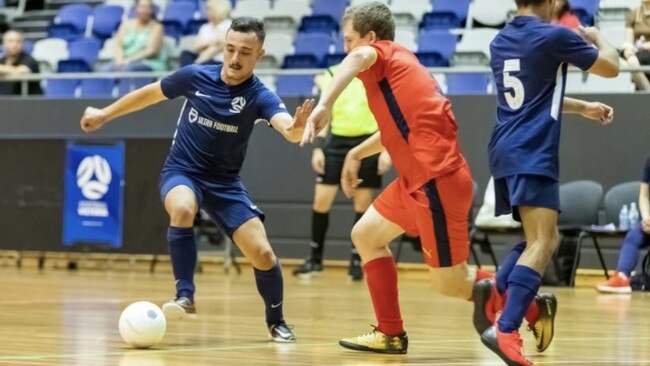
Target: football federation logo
{"x":93,"y":177}
{"x":238,"y":104}
{"x":193,"y":115}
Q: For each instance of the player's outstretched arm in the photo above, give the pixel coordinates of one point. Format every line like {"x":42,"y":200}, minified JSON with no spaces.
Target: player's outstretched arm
{"x":292,"y":127}
{"x":607,"y":64}
{"x":597,"y":111}
{"x":356,"y":61}
{"x":94,"y":118}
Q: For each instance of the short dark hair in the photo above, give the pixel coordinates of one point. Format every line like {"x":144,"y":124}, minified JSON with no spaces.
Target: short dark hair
{"x":522,"y":3}
{"x":373,"y":16}
{"x":247,"y":25}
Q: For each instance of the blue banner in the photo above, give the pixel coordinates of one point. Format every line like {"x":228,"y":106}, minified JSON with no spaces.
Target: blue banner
{"x":93,"y":207}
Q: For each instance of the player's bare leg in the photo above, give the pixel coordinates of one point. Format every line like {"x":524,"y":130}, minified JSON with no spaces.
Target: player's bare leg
{"x":362,"y":200}
{"x":540,"y":228}
{"x":252,"y":241}
{"x":181,"y":206}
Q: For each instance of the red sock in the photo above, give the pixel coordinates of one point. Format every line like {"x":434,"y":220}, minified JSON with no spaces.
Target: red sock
{"x":533,"y":313}
{"x":381,"y":276}
{"x":481,"y":275}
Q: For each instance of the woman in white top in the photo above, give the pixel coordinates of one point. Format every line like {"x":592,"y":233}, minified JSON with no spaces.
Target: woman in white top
{"x":211,"y":38}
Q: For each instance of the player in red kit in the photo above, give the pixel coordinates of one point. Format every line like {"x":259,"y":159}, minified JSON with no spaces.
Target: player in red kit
{"x":432,"y":196}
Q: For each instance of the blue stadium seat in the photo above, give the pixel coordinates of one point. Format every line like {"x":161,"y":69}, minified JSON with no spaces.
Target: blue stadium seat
{"x":435,"y":48}
{"x":333,"y":8}
{"x":294,"y":85}
{"x":84,"y":49}
{"x":28,"y":47}
{"x":97,"y":88}
{"x":73,"y":65}
{"x":468,"y":83}
{"x":194,"y":25}
{"x":60,"y":88}
{"x":177,"y":16}
{"x":106,"y":20}
{"x":585,"y":10}
{"x":319,"y":24}
{"x":314,"y":44}
{"x":333,"y":59}
{"x":446,"y":14}
{"x":301,"y":61}
{"x":70,"y":21}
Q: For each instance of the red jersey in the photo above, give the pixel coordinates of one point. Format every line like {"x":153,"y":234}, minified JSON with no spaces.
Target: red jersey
{"x":418,"y":127}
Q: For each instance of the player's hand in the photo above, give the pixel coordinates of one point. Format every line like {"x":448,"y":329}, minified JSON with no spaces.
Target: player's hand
{"x":93,"y":119}
{"x":350,"y":175}
{"x":591,"y":34}
{"x":300,"y":117}
{"x":318,"y":119}
{"x":600,"y":112}
{"x":318,"y":161}
{"x":384,"y":163}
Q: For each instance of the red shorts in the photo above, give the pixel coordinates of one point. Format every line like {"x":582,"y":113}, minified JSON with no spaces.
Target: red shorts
{"x":437,"y":212}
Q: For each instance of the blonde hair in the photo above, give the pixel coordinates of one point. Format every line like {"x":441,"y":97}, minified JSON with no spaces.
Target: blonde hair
{"x":224,"y":7}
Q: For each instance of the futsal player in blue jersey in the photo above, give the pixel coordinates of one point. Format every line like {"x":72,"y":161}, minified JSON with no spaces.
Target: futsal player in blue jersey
{"x":529,"y":60}
{"x":202,"y":170}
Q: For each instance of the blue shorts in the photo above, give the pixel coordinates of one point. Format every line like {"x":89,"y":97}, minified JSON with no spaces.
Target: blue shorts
{"x":525,"y":190}
{"x":224,"y":199}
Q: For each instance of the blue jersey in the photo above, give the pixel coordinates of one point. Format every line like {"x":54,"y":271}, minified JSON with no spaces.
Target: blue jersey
{"x":529,"y":60}
{"x":216,"y":121}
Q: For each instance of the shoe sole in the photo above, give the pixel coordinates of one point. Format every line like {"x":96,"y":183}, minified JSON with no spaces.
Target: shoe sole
{"x":494,"y":348}
{"x":481,"y":295}
{"x":308,"y":275}
{"x":357,"y":347}
{"x":176,"y":312}
{"x":550,"y":327}
{"x":614,"y":290}
{"x":280,"y":340}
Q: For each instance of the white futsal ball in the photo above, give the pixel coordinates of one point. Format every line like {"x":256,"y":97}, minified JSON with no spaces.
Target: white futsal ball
{"x":142,"y":324}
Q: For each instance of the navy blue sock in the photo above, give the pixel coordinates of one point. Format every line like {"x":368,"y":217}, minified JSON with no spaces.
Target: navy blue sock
{"x":507,"y":264}
{"x":270,"y":286}
{"x":523,"y":285}
{"x":182,"y":249}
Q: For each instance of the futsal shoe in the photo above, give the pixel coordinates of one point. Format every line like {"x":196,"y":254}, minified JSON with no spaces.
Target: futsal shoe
{"x":180,"y":308}
{"x":617,"y":284}
{"x":354,"y":270}
{"x":508,"y":346}
{"x":487,"y":303}
{"x":544,"y":326}
{"x":309,"y":268}
{"x":377,"y":341}
{"x":281,"y":333}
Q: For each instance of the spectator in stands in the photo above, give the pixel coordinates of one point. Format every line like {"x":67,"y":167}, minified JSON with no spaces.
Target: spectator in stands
{"x":636,"y":50}
{"x":562,"y":15}
{"x":14,"y":62}
{"x":635,"y":239}
{"x":140,"y":42}
{"x":211,"y":39}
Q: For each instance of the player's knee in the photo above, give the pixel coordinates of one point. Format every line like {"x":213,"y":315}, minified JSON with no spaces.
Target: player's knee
{"x":182,"y":214}
{"x":360,"y":234}
{"x":264,"y":259}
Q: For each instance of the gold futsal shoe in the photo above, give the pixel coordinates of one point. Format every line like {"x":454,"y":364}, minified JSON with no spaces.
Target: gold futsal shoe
{"x":544,"y":327}
{"x":377,"y":341}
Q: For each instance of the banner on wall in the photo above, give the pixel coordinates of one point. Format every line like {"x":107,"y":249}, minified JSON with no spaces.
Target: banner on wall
{"x":93,"y":207}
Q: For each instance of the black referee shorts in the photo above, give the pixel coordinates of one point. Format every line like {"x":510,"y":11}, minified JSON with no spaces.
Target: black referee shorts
{"x":335,"y":150}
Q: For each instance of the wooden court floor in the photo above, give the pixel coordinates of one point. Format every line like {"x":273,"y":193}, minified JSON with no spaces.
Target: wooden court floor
{"x":57,"y":317}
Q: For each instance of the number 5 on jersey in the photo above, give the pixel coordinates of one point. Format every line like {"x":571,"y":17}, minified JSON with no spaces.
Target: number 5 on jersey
{"x":514,"y":98}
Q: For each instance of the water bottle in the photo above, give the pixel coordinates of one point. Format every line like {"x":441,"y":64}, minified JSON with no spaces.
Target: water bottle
{"x":634,"y":216}
{"x":624,"y":219}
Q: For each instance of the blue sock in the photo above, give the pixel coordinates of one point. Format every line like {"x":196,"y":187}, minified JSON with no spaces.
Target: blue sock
{"x":270,"y":286}
{"x":507,"y":264}
{"x":629,"y":255}
{"x":523,"y":284}
{"x":182,"y":249}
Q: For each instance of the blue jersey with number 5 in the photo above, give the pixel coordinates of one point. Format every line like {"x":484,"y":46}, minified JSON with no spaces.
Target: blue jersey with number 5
{"x":529,"y":60}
